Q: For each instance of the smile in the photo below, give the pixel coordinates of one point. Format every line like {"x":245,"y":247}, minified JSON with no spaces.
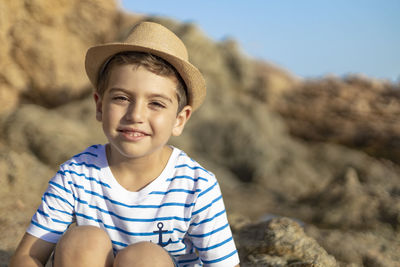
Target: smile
{"x":136,"y":134}
{"x":132,"y":133}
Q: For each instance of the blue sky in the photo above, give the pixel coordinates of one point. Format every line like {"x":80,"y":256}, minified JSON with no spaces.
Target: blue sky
{"x":309,"y":38}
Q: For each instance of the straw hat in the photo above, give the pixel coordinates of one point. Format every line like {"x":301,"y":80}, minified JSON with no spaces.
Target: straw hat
{"x":155,"y":39}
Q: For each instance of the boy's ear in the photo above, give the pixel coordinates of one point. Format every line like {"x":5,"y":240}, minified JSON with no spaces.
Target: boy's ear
{"x":99,"y":107}
{"x":181,"y":119}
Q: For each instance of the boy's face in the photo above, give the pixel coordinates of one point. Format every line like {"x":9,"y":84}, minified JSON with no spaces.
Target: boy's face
{"x":139,"y":111}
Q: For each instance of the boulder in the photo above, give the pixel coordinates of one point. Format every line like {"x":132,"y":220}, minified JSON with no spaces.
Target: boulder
{"x":50,"y":136}
{"x":43,"y":47}
{"x":280,"y":242}
{"x":356,"y":111}
{"x":23,"y":181}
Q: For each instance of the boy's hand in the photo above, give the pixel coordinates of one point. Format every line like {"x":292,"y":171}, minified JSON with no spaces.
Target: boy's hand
{"x":31,"y":251}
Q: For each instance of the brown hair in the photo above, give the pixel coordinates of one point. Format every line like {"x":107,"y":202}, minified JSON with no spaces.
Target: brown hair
{"x":152,"y":63}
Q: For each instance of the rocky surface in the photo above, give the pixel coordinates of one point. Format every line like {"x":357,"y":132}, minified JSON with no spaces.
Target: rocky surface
{"x":43,"y":46}
{"x":356,"y":111}
{"x":280,"y":242}
{"x":345,"y":203}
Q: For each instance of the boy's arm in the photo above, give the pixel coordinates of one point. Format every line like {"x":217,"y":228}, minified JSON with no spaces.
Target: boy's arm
{"x":209,"y":229}
{"x":31,"y":251}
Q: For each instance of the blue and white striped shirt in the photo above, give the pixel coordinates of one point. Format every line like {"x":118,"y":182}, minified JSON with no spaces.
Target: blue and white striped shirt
{"x":182,"y":209}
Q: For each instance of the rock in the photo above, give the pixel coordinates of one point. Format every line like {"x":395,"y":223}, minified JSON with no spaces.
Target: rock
{"x":272,"y":83}
{"x":362,"y":192}
{"x":359,"y":248}
{"x":23,"y":181}
{"x":48,"y":135}
{"x":357,"y":112}
{"x":43,"y":46}
{"x":280,"y":242}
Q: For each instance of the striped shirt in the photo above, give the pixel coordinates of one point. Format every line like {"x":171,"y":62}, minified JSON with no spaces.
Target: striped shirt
{"x":182,"y":210}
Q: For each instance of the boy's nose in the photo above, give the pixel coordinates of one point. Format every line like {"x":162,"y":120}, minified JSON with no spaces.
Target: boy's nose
{"x":136,"y":112}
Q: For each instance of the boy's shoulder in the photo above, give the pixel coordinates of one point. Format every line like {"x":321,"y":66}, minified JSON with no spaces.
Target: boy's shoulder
{"x":186,"y":162}
{"x":92,"y":157}
{"x":93,"y":151}
{"x":188,"y":168}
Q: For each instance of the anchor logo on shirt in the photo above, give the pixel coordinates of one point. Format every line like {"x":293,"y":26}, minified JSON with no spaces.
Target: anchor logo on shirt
{"x":160,"y":231}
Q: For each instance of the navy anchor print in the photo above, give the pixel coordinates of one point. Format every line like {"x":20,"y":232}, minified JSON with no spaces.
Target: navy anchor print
{"x":160,"y":232}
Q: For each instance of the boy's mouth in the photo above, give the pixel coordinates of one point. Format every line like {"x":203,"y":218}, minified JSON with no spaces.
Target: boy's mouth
{"x":132,"y":132}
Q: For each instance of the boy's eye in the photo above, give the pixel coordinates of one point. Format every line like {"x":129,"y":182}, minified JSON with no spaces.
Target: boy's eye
{"x":120,"y":98}
{"x":157,"y":104}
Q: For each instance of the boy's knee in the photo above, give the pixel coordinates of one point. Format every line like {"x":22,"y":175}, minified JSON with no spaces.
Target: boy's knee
{"x":143,"y":254}
{"x":81,"y":243}
{"x":83,"y":235}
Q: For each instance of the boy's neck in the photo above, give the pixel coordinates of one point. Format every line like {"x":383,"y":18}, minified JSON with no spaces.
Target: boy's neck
{"x":135,"y":174}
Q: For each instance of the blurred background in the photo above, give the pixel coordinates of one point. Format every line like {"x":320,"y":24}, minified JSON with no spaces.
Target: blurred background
{"x":309,"y":38}
{"x":301,"y":118}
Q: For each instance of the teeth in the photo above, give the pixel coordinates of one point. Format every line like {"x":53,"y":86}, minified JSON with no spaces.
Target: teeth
{"x":135,"y":134}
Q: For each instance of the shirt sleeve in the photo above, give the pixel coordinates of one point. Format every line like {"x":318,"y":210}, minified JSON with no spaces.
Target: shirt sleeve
{"x":209,"y":229}
{"x":55,"y":213}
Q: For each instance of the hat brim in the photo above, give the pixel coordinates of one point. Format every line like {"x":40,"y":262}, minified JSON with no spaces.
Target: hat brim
{"x":98,"y":55}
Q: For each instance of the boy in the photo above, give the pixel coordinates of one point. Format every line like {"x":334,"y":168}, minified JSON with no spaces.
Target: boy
{"x":136,"y":201}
